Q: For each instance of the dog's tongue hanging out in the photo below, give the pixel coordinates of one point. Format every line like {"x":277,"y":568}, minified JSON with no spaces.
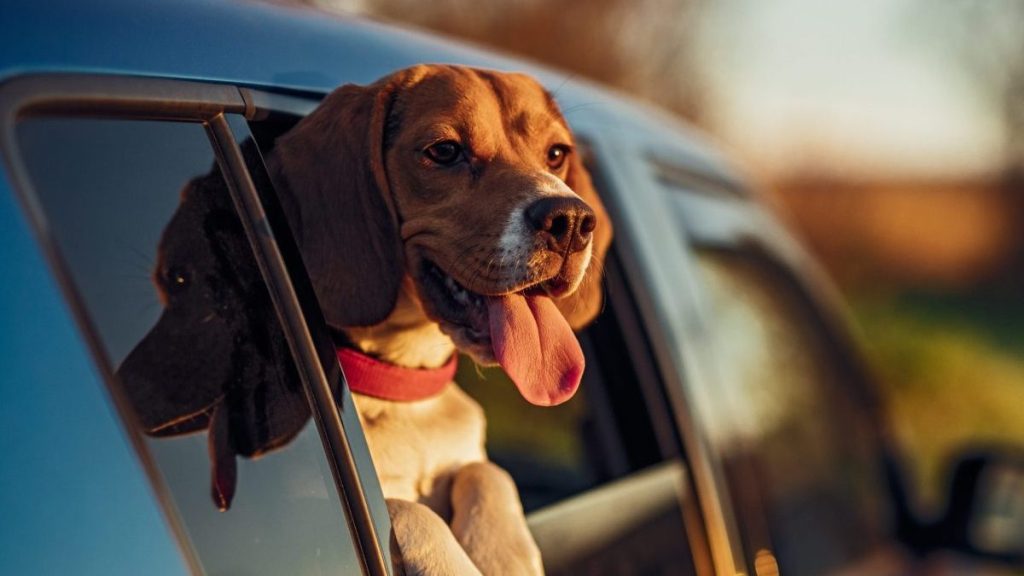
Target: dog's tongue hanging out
{"x":536,"y":347}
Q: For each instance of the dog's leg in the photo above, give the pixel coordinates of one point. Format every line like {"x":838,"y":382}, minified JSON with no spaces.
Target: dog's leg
{"x":488,"y":520}
{"x":423,"y":545}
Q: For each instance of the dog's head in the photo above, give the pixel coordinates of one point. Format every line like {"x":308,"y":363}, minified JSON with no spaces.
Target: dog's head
{"x":467,"y":182}
{"x":217,"y":357}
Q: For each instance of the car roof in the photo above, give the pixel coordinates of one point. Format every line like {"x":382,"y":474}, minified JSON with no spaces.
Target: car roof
{"x":298,"y":49}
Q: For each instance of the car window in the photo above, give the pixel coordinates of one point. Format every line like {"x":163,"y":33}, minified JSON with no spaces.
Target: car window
{"x":607,"y":460}
{"x":179,"y":312}
{"x":604,"y":433}
{"x":605,"y":479}
{"x":798,"y":449}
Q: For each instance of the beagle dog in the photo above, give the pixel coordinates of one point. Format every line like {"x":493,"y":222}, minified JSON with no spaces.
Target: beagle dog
{"x":445,"y":208}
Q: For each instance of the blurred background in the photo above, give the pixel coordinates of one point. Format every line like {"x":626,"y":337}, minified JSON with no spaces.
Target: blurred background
{"x":888,"y":133}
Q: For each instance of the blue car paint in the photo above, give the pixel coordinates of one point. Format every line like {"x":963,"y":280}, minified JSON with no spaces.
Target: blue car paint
{"x":73,"y":496}
{"x":224,"y":41}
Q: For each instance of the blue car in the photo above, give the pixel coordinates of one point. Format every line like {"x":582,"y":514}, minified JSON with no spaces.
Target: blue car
{"x":725,"y":424}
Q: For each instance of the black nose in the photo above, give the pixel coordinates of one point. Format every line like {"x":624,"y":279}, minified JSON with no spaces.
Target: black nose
{"x":565,"y":223}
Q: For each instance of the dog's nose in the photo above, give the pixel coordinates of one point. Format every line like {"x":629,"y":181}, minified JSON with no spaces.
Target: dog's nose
{"x":565,"y":223}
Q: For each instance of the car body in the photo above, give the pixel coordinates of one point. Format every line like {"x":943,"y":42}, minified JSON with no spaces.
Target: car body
{"x":728,"y":425}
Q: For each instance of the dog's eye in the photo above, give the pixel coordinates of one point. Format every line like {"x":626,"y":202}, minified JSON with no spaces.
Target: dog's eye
{"x":176,"y":279}
{"x":445,"y":153}
{"x":557,"y":155}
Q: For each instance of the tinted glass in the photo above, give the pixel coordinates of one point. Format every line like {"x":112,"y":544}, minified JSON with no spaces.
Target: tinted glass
{"x":799,"y":444}
{"x":171,"y":290}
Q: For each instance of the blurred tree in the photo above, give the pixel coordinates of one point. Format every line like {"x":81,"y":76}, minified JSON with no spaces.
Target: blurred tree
{"x":645,"y":47}
{"x":987,"y":37}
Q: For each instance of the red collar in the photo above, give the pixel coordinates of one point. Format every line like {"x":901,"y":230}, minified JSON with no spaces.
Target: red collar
{"x":372,"y":377}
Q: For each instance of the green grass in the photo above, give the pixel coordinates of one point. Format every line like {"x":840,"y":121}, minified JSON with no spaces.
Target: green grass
{"x":952,"y":371}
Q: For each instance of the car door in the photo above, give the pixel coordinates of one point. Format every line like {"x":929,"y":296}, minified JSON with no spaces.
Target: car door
{"x":606,"y":479}
{"x":798,"y":433}
{"x":183,"y":280}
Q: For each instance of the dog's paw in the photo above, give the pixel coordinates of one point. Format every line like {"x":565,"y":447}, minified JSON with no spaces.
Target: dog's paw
{"x":425,"y":545}
{"x":488,"y":522}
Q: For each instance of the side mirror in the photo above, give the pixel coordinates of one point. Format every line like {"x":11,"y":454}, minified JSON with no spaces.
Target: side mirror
{"x":985,"y":515}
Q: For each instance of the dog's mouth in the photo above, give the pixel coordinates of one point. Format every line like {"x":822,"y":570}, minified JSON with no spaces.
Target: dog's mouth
{"x":520,"y":329}
{"x":467,"y":309}
{"x":453,"y":304}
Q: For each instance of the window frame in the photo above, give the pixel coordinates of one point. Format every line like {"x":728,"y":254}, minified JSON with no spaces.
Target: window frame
{"x":141,"y":98}
{"x":570,"y":529}
{"x":745,"y":227}
{"x":656,"y":269}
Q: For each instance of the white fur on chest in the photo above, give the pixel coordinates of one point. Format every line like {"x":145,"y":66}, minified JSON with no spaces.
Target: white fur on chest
{"x":416,"y":446}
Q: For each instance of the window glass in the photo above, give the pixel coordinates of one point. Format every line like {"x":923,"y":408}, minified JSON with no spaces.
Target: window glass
{"x":799,"y":447}
{"x":144,"y":224}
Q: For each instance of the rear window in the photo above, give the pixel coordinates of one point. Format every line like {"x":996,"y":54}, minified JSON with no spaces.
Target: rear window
{"x":180,"y":314}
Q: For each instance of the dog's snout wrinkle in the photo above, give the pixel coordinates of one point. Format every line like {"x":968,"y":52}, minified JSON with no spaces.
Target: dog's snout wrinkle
{"x":565,"y":223}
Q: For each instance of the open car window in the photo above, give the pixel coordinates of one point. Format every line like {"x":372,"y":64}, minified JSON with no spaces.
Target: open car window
{"x":600,"y":476}
{"x":181,"y":317}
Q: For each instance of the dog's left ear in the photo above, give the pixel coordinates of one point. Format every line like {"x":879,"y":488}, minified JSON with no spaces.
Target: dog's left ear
{"x":334,"y":189}
{"x":583,"y":305}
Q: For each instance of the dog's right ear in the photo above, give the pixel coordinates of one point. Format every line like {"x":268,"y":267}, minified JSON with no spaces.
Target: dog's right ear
{"x":329,"y":170}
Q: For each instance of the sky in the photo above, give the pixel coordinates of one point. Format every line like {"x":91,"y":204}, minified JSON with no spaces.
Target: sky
{"x":852,"y":88}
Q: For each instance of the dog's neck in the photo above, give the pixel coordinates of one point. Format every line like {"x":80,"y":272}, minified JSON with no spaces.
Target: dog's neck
{"x":407,"y":337}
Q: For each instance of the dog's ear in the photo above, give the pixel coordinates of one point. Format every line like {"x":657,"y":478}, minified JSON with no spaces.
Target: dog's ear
{"x":330,"y":172}
{"x":583,"y":305}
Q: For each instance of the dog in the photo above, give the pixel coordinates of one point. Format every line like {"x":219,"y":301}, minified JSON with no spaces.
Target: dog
{"x":217,"y":359}
{"x":446,"y":208}
{"x":438,"y":209}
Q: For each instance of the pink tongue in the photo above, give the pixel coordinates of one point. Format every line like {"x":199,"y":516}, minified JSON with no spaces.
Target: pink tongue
{"x":536,"y":347}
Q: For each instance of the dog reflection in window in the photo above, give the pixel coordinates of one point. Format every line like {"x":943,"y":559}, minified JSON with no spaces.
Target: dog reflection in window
{"x":217,"y":358}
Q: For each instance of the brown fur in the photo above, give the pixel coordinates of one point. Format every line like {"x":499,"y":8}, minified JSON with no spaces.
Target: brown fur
{"x":369,"y":208}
